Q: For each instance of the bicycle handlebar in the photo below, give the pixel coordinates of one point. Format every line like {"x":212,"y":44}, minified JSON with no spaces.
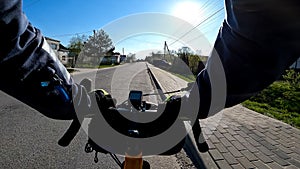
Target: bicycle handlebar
{"x":74,"y":128}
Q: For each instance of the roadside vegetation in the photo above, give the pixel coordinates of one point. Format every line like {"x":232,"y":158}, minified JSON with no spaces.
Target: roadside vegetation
{"x":188,"y":78}
{"x":281,"y":100}
{"x":183,"y":63}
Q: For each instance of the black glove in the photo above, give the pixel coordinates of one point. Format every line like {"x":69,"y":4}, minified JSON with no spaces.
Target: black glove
{"x":190,"y":106}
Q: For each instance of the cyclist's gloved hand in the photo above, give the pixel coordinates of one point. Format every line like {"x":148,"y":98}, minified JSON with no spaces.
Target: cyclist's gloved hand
{"x":30,"y":70}
{"x":103,"y":99}
{"x":191,"y":106}
{"x":183,"y":103}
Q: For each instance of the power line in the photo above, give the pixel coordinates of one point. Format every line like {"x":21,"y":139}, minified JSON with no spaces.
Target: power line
{"x":146,"y":41}
{"x":197,"y":25}
{"x":208,"y":24}
{"x":203,"y":8}
{"x":203,"y":34}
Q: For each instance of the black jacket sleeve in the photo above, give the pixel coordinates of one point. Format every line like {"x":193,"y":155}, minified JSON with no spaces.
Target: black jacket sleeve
{"x":29,"y":69}
{"x":259,"y":39}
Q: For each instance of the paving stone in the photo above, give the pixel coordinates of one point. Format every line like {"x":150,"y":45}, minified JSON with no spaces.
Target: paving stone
{"x":249,"y":127}
{"x":296,"y":133}
{"x":245,"y":162}
{"x":273,"y":132}
{"x":287,"y":130}
{"x":225,"y":142}
{"x":242,"y":134}
{"x":216,"y":154}
{"x":274,"y":165}
{"x":221,"y":148}
{"x":240,"y":138}
{"x":296,"y":150}
{"x":212,"y":127}
{"x":258,"y":133}
{"x":294,"y":162}
{"x":245,"y":129}
{"x":263,"y":157}
{"x":271,"y":136}
{"x":231,"y":131}
{"x":229,"y":158}
{"x":238,"y":166}
{"x":210,"y":144}
{"x":275,"y":127}
{"x":291,"y":167}
{"x":271,"y":141}
{"x":223,"y":125}
{"x":235,"y":127}
{"x":253,"y":142}
{"x":295,"y":156}
{"x":265,"y":127}
{"x":265,"y":150}
{"x":250,"y":156}
{"x":234,"y":152}
{"x":213,"y":139}
{"x":223,"y":164}
{"x":281,"y":154}
{"x":218,"y":134}
{"x":261,"y":130}
{"x":296,"y":143}
{"x":256,"y":137}
{"x":229,"y":136}
{"x":207,"y":131}
{"x":238,"y":145}
{"x":286,"y":143}
{"x":260,"y":165}
{"x":268,"y":145}
{"x":284,"y":149}
{"x":221,"y":130}
{"x":283,"y":134}
{"x":250,"y":147}
{"x":280,"y":161}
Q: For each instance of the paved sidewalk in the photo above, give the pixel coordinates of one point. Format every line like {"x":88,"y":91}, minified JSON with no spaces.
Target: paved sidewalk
{"x":241,"y":138}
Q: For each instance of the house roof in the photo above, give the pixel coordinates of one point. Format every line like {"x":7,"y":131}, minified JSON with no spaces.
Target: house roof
{"x":63,"y":48}
{"x":47,"y":38}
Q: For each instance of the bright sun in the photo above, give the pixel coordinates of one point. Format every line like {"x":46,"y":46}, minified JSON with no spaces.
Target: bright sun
{"x":187,"y":10}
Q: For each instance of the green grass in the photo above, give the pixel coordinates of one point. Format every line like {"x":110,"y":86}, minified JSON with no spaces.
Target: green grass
{"x":281,"y":100}
{"x":106,"y":66}
{"x":292,"y":118}
{"x":188,"y":78}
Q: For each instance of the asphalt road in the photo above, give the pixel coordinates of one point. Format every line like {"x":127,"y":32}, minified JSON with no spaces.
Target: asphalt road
{"x":29,"y":139}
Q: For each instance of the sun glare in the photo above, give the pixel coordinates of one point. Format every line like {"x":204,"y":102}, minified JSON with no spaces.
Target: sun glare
{"x":187,"y":10}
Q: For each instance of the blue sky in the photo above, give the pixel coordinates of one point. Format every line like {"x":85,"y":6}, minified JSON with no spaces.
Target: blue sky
{"x":64,"y":19}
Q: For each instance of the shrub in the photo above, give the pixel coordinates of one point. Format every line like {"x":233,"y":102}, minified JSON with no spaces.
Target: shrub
{"x":280,"y":100}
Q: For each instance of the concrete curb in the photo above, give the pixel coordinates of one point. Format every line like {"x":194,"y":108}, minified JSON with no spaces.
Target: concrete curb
{"x":200,"y":160}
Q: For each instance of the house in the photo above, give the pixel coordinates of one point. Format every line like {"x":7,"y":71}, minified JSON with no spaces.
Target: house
{"x":296,"y":65}
{"x":61,"y":51}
